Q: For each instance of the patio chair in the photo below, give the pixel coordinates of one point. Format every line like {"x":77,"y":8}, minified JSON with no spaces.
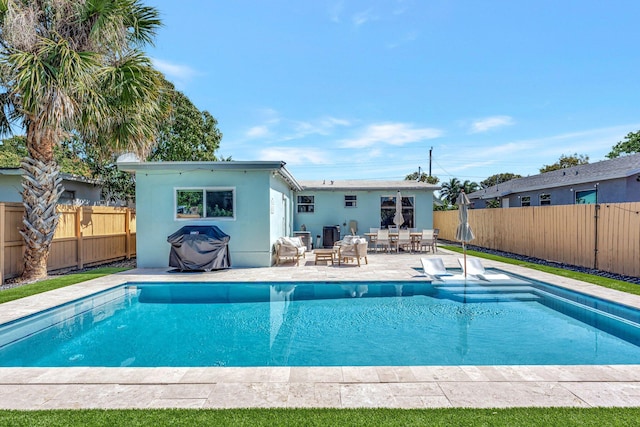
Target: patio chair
{"x":290,"y":248}
{"x":404,"y":240}
{"x":352,"y":248}
{"x":475,"y":268}
{"x":426,"y":241}
{"x":383,"y":239}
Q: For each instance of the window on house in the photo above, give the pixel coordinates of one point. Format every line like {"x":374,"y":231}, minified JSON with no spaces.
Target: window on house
{"x":545,"y":199}
{"x":587,"y":197}
{"x":216,"y":203}
{"x":306,"y":204}
{"x":350,"y":201}
{"x":67,"y":197}
{"x":525,"y":201}
{"x":388,"y":211}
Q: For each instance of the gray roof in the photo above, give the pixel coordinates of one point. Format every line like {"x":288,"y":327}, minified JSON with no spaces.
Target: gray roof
{"x":362,"y":184}
{"x":604,"y":170}
{"x":65,"y":176}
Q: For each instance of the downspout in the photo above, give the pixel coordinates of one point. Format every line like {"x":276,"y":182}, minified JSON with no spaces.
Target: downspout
{"x":595,"y":248}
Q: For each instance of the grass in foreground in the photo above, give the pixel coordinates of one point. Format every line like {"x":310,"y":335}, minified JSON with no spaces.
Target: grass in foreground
{"x":328,"y":417}
{"x":589,"y":278}
{"x":55,"y":283}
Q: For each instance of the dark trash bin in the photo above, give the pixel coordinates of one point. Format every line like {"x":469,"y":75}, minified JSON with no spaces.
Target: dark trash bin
{"x":199,"y":247}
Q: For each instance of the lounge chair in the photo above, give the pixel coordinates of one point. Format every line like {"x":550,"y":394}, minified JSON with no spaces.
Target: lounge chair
{"x":290,"y":248}
{"x":352,"y":248}
{"x":475,"y":268}
{"x":434,"y":268}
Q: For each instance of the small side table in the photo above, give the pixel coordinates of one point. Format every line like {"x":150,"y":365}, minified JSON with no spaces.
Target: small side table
{"x":324,"y":255}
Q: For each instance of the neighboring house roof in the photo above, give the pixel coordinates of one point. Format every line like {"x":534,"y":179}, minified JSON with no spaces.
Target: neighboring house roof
{"x":63,"y":175}
{"x":358,"y":184}
{"x":275,"y":166}
{"x":620,"y":167}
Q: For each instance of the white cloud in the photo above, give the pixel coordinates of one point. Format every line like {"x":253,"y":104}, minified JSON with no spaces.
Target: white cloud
{"x":489,"y":123}
{"x":409,"y":37}
{"x":335,"y":11}
{"x":363,"y":17}
{"x":174,"y":71}
{"x":258,"y":132}
{"x":295,"y":156}
{"x":392,"y":134}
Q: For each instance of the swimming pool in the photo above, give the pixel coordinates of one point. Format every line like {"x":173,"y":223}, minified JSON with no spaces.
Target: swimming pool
{"x":326,"y":324}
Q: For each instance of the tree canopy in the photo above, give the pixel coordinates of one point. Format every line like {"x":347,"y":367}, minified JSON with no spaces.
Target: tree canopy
{"x":73,"y":67}
{"x":499,"y":178}
{"x":423,"y":177}
{"x":566,"y":162}
{"x":630,"y":145}
{"x":188,"y":134}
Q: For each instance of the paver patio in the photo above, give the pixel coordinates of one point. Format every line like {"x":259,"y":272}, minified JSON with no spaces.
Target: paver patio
{"x":341,"y":387}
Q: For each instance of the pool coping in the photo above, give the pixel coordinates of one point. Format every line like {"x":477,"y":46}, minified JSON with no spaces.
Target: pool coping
{"x":338,"y":387}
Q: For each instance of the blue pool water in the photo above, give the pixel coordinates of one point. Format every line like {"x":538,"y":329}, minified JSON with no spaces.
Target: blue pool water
{"x":326,"y":324}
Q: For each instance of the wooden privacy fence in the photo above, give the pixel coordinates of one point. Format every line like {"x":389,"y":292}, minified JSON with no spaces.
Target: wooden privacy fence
{"x":603,"y":236}
{"x":85,"y":235}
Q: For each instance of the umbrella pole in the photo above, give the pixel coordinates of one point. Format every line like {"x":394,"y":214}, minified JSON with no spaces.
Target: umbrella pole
{"x":464,"y":252}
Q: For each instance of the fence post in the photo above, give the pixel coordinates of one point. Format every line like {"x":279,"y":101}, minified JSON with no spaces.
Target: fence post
{"x":78,"y":232}
{"x":2,"y":234}
{"x":127,"y":230}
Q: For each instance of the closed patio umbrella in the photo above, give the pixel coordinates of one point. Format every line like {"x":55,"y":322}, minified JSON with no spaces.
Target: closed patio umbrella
{"x":398,"y":219}
{"x":464,"y":233}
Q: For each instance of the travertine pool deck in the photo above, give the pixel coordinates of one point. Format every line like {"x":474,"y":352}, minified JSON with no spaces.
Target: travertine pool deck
{"x":340,"y":387}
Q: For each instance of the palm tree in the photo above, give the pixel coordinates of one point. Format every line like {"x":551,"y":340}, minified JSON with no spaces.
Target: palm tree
{"x":470,"y":186}
{"x":450,"y":190}
{"x":72,"y":67}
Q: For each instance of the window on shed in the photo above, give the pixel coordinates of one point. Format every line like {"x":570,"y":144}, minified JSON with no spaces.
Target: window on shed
{"x":525,"y":201}
{"x":306,"y":204}
{"x":545,"y":199}
{"x":205,"y":203}
{"x":350,"y":201}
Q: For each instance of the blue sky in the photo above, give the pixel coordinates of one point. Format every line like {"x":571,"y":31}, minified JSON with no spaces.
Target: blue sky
{"x":362,"y":89}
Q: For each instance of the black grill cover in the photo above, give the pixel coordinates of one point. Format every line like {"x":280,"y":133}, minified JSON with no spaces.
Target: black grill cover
{"x":199,"y":247}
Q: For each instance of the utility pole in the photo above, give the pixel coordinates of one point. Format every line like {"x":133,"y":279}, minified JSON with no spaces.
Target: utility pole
{"x":430,"y":156}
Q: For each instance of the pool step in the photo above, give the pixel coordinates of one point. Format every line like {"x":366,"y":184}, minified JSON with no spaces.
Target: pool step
{"x":494,"y":297}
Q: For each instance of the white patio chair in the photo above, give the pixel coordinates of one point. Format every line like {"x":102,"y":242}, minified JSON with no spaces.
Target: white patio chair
{"x":426,"y":241}
{"x":383,"y":239}
{"x":404,"y":240}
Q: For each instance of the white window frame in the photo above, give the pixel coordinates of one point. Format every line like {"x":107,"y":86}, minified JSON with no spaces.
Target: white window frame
{"x":528,"y":201}
{"x":351,"y":202}
{"x":391,"y":209}
{"x":547,"y":200}
{"x":312,"y":204}
{"x":204,"y":190}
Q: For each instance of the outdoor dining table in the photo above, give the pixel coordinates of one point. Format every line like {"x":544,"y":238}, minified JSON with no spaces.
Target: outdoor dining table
{"x":415,"y":237}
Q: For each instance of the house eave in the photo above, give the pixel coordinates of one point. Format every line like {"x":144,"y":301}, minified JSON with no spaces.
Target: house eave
{"x":275,"y":166}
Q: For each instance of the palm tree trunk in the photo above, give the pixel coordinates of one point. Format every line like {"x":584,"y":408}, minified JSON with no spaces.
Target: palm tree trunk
{"x":40,"y":194}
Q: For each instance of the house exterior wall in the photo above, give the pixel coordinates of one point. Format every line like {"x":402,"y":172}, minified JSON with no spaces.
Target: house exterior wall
{"x":329,"y":209}
{"x":251,"y":229}
{"x":611,"y":191}
{"x":11,"y":187}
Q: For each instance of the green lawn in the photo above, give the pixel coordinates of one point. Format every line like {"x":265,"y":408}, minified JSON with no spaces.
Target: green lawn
{"x":55,"y":283}
{"x":564,"y":417}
